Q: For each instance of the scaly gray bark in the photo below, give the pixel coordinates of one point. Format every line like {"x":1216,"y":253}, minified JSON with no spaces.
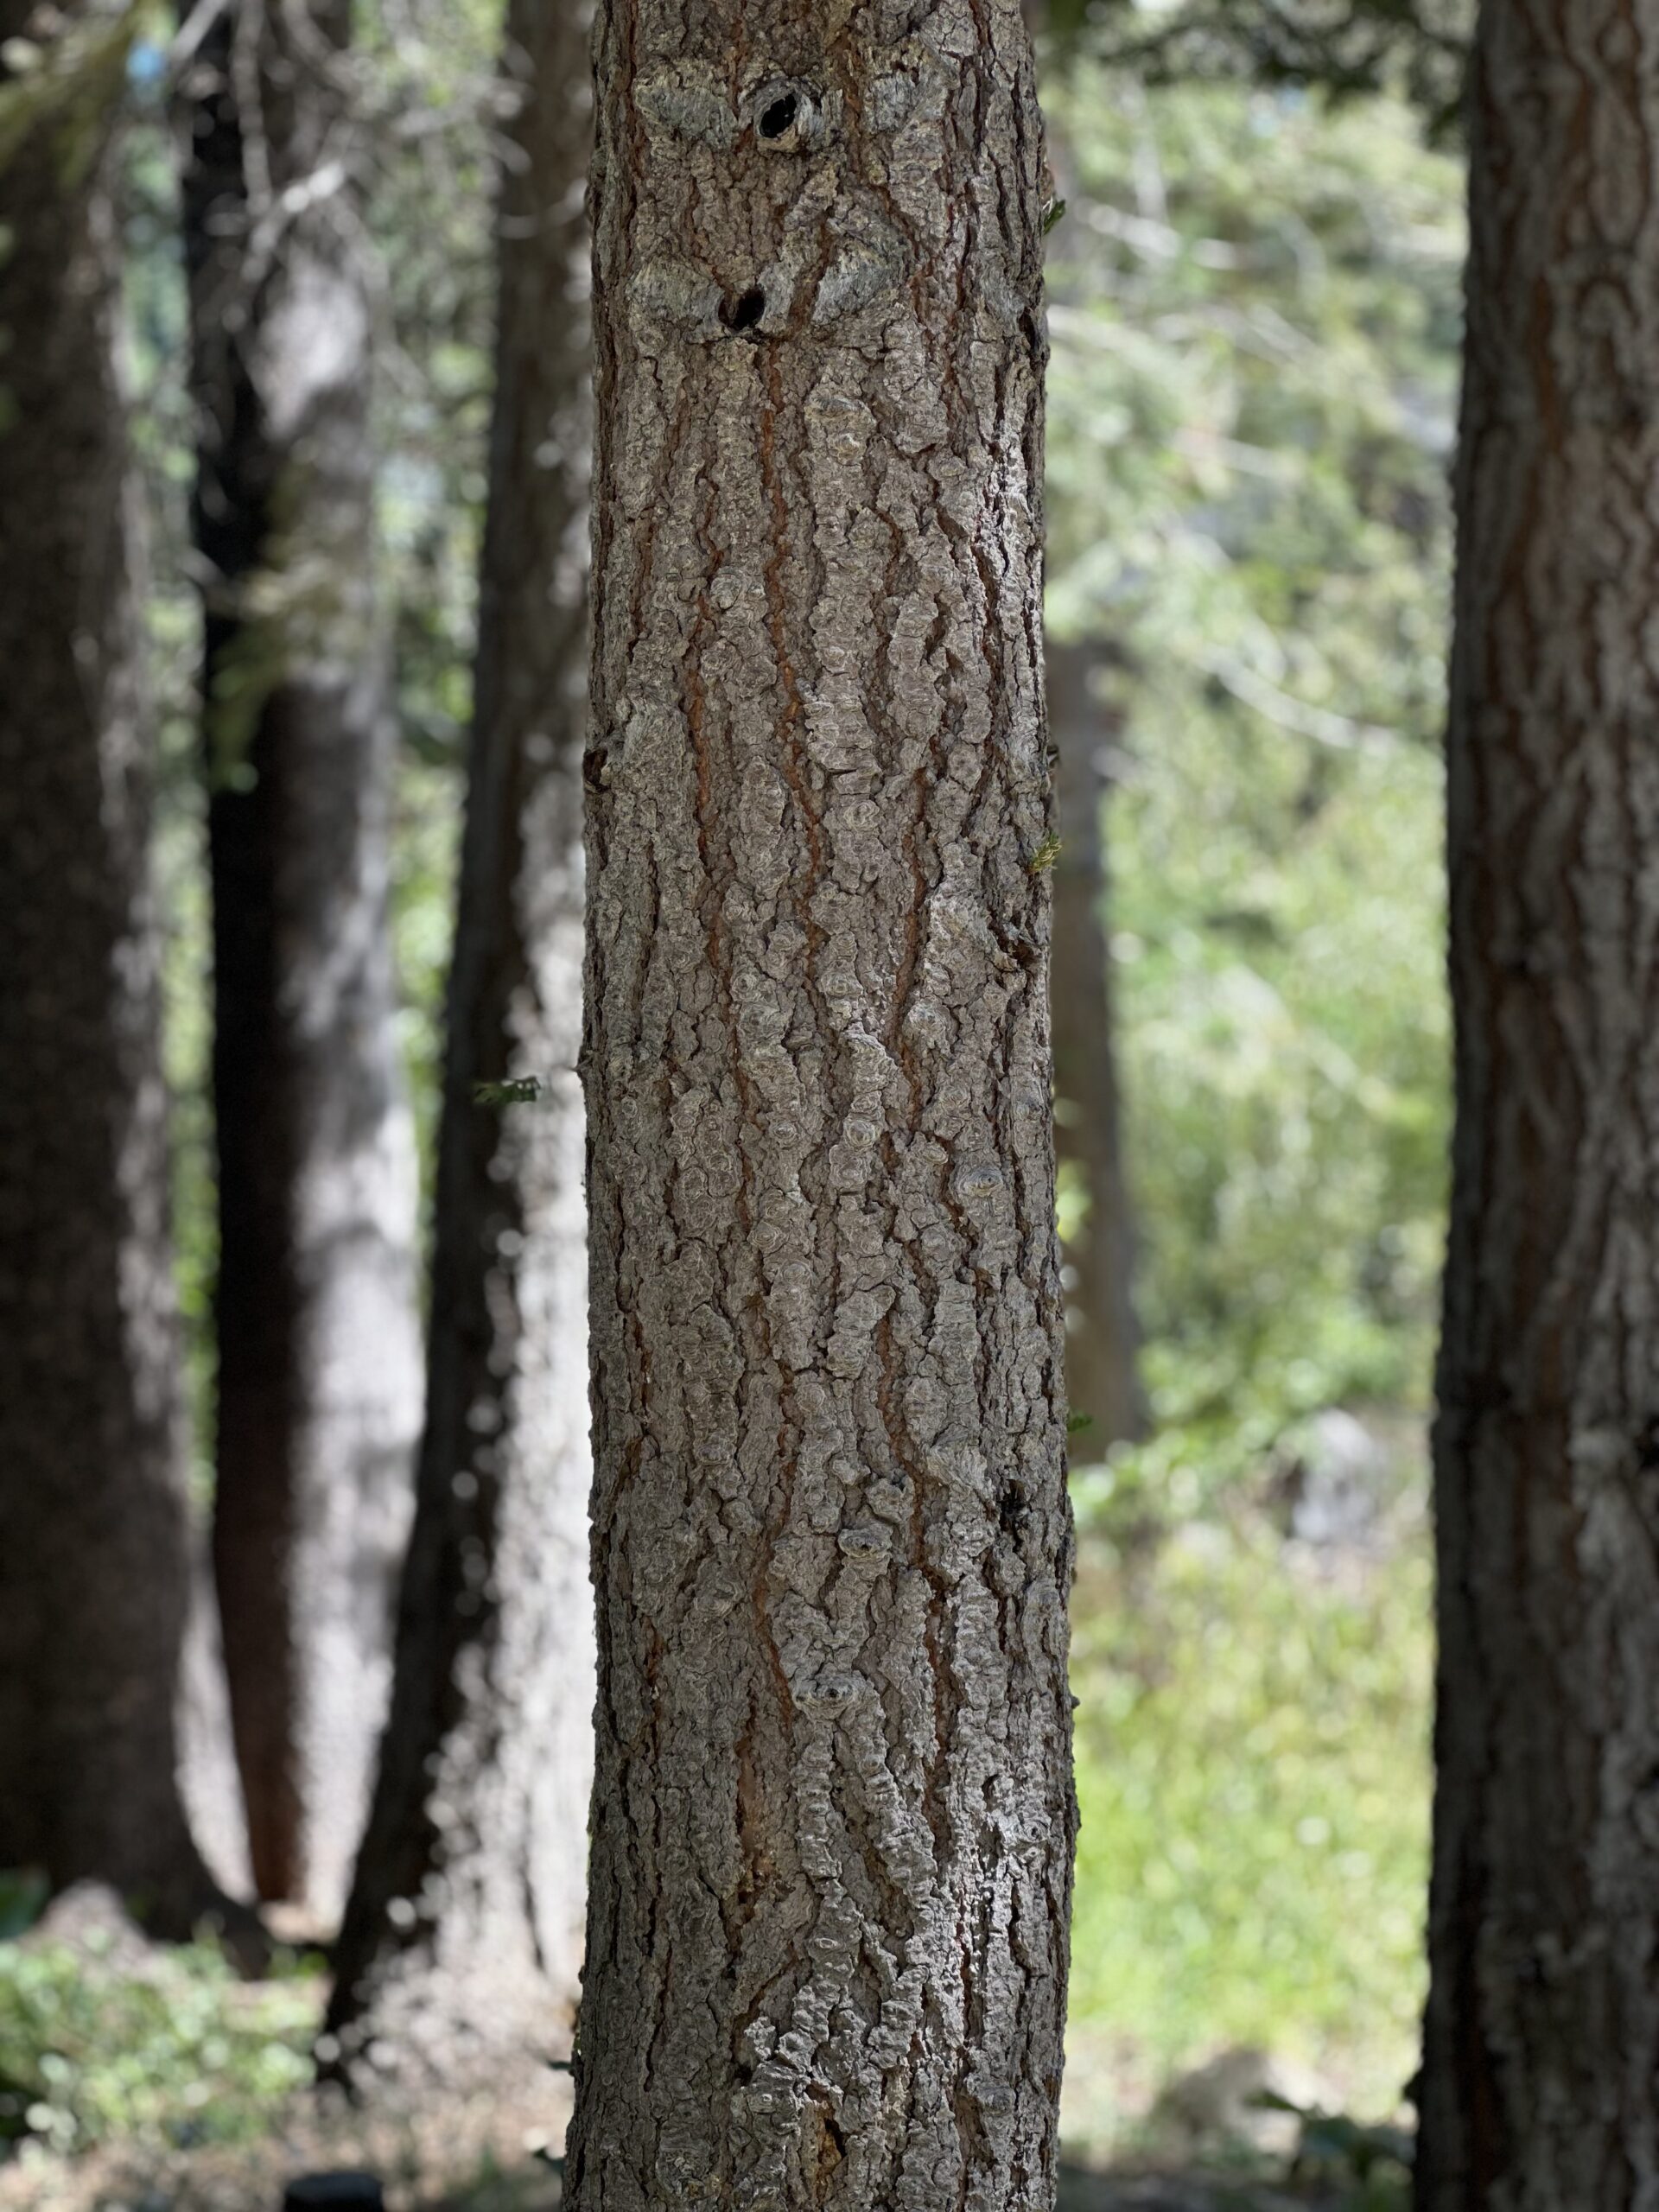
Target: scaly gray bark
{"x":93,"y":1578}
{"x":1543,"y":2037}
{"x":319,"y":1353}
{"x":1102,"y":1339}
{"x":833,"y":1812}
{"x":462,"y":1942}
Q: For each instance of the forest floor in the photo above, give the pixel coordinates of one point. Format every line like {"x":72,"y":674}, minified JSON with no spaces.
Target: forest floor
{"x":457,"y":2157}
{"x":251,"y":2179}
{"x":162,"y":2083}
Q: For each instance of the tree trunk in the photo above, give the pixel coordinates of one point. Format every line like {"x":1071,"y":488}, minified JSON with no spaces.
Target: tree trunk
{"x":462,"y":1942}
{"x":1103,"y":1380}
{"x":1542,"y":2038}
{"x":93,"y":1578}
{"x":833,"y":1813}
{"x":319,"y":1356}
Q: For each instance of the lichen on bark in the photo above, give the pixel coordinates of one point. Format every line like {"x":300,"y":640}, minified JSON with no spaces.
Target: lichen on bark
{"x":833,"y":1814}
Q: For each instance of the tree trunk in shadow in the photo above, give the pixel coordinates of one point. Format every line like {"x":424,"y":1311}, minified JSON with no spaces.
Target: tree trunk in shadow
{"x":1102,"y":1340}
{"x":319,"y":1356}
{"x":93,"y":1546}
{"x":461,"y":1948}
{"x":1542,"y":2041}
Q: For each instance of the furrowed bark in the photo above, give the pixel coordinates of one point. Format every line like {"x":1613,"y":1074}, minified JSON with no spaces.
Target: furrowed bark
{"x":833,"y":1813}
{"x":1542,"y":2035}
{"x":319,"y":1355}
{"x":1102,"y":1340}
{"x":93,"y":1576}
{"x":461,"y":1947}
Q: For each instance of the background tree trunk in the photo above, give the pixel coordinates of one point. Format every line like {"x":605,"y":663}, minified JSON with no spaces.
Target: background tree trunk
{"x":833,"y":1815}
{"x":1103,"y":1337}
{"x":1542,"y":2040}
{"x":462,"y":1941}
{"x":93,"y":1578}
{"x":319,"y":1356}
{"x":1102,"y":1379}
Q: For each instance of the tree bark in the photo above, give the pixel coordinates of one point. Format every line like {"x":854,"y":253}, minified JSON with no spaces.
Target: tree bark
{"x":1102,"y":1339}
{"x":833,"y":1814}
{"x":318,"y":1342}
{"x":1542,"y":2035}
{"x":461,"y":1947}
{"x":93,"y":1576}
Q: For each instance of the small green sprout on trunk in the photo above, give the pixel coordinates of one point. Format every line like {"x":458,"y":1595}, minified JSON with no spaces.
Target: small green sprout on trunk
{"x":523,"y":1090}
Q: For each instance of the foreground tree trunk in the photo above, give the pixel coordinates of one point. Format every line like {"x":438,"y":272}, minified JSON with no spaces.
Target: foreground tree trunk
{"x":1542,"y":2040}
{"x":319,"y":1356}
{"x":833,"y":1815}
{"x":461,"y":1947}
{"x":1102,"y":1340}
{"x":94,"y":1578}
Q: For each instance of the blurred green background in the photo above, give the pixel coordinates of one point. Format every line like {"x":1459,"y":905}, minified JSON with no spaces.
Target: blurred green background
{"x":1254,"y":310}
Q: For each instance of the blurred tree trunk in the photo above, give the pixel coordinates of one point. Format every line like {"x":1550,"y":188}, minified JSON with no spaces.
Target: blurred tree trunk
{"x":93,"y":1576}
{"x":830,"y":1869}
{"x":1102,"y":1336}
{"x":1101,"y":1375}
{"x":319,"y":1357}
{"x":1542,"y":2039}
{"x":462,"y":1941}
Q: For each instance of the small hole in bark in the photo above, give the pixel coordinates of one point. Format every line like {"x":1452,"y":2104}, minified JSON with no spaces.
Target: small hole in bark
{"x":743,"y":312}
{"x":779,"y":116}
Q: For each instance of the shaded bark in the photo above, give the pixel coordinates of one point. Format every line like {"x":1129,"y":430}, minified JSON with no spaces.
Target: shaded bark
{"x":93,"y":1574}
{"x":833,"y":1814}
{"x":319,"y":1366}
{"x":1542,"y":2035}
{"x":461,"y":1946}
{"x":1102,"y":1339}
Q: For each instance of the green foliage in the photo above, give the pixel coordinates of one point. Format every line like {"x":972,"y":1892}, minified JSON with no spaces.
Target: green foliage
{"x":1346,"y":48}
{"x":524,"y":1090}
{"x":1253,"y":1776}
{"x":94,"y":2046}
{"x":1255,"y":322}
{"x":72,"y":85}
{"x":1255,"y":327}
{"x":23,"y":1894}
{"x":1334,"y":2147}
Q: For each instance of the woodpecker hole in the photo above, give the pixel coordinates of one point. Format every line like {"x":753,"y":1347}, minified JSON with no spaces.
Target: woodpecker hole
{"x":779,"y":115}
{"x":743,"y":312}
